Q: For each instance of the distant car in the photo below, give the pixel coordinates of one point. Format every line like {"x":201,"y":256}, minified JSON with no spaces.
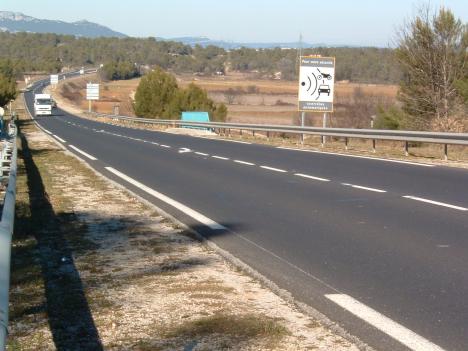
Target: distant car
{"x":324,"y":89}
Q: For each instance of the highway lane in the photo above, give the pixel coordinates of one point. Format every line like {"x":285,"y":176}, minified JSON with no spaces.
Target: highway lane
{"x":406,"y":259}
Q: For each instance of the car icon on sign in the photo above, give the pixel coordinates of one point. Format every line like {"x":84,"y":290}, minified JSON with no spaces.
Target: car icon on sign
{"x":324,"y":89}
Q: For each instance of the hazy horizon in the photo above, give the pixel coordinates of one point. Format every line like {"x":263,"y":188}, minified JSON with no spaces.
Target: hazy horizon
{"x":361,"y":23}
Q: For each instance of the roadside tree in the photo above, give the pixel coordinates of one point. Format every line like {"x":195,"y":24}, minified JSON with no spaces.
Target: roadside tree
{"x":432,"y":51}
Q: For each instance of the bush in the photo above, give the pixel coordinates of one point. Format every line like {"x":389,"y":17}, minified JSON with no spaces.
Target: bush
{"x":393,"y":118}
{"x":158,"y":96}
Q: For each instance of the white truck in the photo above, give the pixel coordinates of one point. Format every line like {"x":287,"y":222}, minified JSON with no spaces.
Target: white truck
{"x":43,"y":105}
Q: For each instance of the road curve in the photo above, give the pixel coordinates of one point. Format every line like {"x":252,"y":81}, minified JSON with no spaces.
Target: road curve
{"x":379,"y":247}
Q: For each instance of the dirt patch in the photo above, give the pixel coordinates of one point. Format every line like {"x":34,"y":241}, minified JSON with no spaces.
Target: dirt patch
{"x":94,"y":268}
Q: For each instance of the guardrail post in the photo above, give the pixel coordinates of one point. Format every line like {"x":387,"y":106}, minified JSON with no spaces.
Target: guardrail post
{"x":268,"y":135}
{"x":373,"y":146}
{"x":346,"y":143}
{"x":240,"y":133}
{"x":323,"y":140}
{"x":253,"y":133}
{"x":406,"y":148}
{"x":445,"y":152}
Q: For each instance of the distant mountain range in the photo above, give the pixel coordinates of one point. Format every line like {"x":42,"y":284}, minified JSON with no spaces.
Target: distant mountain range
{"x":17,"y":22}
{"x":203,"y":41}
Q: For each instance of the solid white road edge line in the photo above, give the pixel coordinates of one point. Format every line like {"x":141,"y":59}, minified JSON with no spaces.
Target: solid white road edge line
{"x":311,"y":177}
{"x":92,"y":158}
{"x":400,"y":333}
{"x":244,"y":163}
{"x":364,"y":188}
{"x":165,"y":146}
{"x":220,"y":157}
{"x":59,"y":138}
{"x":435,"y":203}
{"x":274,"y":169}
{"x":201,"y":154}
{"x":181,"y":207}
{"x":45,"y":130}
{"x":357,"y":156}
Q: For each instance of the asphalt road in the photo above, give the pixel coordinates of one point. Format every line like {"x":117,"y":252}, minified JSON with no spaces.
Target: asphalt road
{"x":379,"y":247}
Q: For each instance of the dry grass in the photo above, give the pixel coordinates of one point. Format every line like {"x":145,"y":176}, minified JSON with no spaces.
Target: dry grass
{"x":258,"y":101}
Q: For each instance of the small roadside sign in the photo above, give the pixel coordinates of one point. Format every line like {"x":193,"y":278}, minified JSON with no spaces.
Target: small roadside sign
{"x":92,"y":91}
{"x":54,"y":78}
{"x":316,"y":84}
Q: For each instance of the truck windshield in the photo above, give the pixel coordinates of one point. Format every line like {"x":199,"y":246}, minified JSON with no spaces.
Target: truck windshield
{"x":44,"y":102}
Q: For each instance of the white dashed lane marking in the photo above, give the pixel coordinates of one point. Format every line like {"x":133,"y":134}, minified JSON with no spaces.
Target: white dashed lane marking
{"x":220,"y":158}
{"x":312,"y":177}
{"x":437,"y":203}
{"x":364,"y":188}
{"x":405,"y":336}
{"x":274,"y":169}
{"x":91,"y":157}
{"x":244,"y":163}
{"x":181,"y":207}
{"x":59,"y":138}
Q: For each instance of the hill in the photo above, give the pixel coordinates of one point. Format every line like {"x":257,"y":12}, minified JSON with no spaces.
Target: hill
{"x":17,"y":22}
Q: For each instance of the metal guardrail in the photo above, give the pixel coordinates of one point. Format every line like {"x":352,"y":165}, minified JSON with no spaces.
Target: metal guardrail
{"x":344,"y":133}
{"x":8,"y":157}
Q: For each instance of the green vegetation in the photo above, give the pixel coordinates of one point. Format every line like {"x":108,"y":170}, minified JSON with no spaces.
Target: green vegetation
{"x":118,"y":70}
{"x":433,"y":55}
{"x":7,"y":82}
{"x":159,"y":96}
{"x":51,"y":52}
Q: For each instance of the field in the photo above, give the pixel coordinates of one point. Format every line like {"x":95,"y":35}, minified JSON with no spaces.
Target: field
{"x":250,"y":100}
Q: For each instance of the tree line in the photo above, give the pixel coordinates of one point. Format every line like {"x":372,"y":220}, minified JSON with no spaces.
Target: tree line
{"x":52,"y":52}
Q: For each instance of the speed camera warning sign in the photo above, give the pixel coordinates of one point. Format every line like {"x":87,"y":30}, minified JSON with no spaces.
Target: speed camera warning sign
{"x":316,"y":84}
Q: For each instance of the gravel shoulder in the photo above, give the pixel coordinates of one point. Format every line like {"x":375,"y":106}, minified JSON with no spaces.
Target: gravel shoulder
{"x":94,"y":268}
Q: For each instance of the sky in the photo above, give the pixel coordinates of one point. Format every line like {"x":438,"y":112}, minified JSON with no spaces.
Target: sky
{"x":330,"y":22}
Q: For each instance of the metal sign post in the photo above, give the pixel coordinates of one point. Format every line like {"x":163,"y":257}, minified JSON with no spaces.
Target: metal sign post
{"x":316,"y":86}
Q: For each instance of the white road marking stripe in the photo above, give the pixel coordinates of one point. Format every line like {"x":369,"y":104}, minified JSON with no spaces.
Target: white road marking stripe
{"x":244,"y":163}
{"x":154,"y":143}
{"x":435,"y":203}
{"x":400,"y":333}
{"x":83,"y":153}
{"x":181,"y":207}
{"x":166,"y":146}
{"x":235,"y":141}
{"x":59,"y":138}
{"x":311,"y":177}
{"x":220,"y":157}
{"x":45,"y":130}
{"x":364,"y":188}
{"x":274,"y":169}
{"x":201,"y":154}
{"x":357,"y":156}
